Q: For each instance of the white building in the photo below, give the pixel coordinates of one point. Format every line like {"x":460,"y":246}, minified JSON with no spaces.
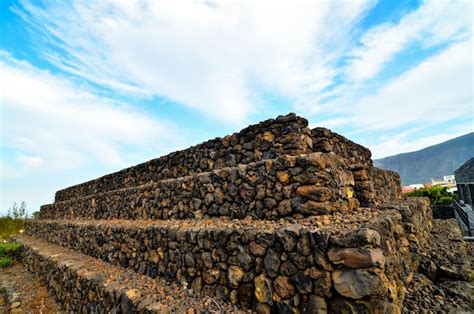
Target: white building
{"x":450,"y":179}
{"x":416,"y":186}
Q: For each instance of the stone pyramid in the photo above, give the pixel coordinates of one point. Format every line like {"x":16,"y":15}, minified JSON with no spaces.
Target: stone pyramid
{"x":275,"y":218}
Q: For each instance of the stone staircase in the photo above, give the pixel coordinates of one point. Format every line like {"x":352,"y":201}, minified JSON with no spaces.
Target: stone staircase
{"x":275,"y":218}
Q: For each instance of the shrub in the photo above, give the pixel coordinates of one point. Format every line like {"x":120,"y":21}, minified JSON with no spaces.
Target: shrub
{"x":434,"y":193}
{"x":445,"y":200}
{"x":8,"y":251}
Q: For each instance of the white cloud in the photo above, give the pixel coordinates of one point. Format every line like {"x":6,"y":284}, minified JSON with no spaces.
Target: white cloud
{"x":207,"y":56}
{"x":330,"y":123}
{"x":434,"y":22}
{"x":50,"y":122}
{"x":30,"y":161}
{"x":437,"y":90}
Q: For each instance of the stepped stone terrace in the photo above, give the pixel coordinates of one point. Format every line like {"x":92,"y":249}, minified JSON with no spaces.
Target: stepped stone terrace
{"x":275,"y":218}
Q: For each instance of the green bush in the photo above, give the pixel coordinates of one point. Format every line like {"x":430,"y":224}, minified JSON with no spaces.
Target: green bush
{"x":434,"y":193}
{"x":445,"y":200}
{"x":10,"y":249}
{"x":5,"y":261}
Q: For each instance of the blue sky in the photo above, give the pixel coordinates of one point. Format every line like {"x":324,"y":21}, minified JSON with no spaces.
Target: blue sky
{"x":92,"y":87}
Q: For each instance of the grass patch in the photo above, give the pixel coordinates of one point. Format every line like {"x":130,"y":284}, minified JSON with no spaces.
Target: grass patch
{"x":10,"y":249}
{"x":5,"y":261}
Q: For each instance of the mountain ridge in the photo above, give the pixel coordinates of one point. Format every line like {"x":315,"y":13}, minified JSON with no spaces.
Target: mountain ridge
{"x":434,"y":161}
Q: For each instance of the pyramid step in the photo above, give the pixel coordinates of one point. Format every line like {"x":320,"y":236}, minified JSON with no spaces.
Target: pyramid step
{"x":373,"y":186}
{"x":84,"y":284}
{"x":326,"y":141}
{"x":284,"y":135}
{"x":310,"y":184}
{"x":299,"y":263}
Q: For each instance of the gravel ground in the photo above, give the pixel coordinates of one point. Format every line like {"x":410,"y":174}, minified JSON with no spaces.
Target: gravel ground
{"x":445,"y":282}
{"x":23,"y":293}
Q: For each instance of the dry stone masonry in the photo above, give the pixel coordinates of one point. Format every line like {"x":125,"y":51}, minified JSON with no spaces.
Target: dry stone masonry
{"x":275,"y":218}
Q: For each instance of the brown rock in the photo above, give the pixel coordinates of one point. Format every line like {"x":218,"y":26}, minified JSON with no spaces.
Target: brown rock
{"x":235,"y":275}
{"x":284,"y":208}
{"x":268,"y":136}
{"x":263,"y":289}
{"x":256,"y":249}
{"x":211,"y":276}
{"x":234,"y":297}
{"x":357,"y":257}
{"x":315,"y":208}
{"x":284,"y":288}
{"x":283,"y":176}
{"x":272,"y":263}
{"x":361,"y":175}
{"x":357,"y":283}
{"x":219,"y":196}
{"x":315,"y":305}
{"x":262,"y":308}
{"x":315,"y":193}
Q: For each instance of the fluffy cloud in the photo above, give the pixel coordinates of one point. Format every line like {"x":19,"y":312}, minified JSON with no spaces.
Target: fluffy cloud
{"x":30,"y":161}
{"x":437,"y":90}
{"x":214,"y":57}
{"x":52,"y":123}
{"x":433,"y":23}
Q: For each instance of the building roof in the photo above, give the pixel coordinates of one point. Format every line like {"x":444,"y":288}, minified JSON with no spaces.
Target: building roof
{"x":465,"y":173}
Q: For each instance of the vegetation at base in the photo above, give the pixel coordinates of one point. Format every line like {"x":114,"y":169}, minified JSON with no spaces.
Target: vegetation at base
{"x":14,"y":221}
{"x":10,"y":226}
{"x":5,"y":261}
{"x":438,"y":195}
{"x":8,"y":251}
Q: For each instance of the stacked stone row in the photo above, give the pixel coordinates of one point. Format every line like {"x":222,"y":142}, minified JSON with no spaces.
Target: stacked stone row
{"x":265,"y":140}
{"x":326,"y":141}
{"x":82,"y":284}
{"x":373,"y":186}
{"x":310,"y":184}
{"x":150,"y":190}
{"x":362,"y":262}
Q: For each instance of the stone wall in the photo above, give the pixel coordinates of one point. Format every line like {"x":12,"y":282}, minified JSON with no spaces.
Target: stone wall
{"x":265,"y":140}
{"x":374,"y":186}
{"x":311,"y":184}
{"x":417,"y":222}
{"x":176,"y":185}
{"x":360,"y":260}
{"x":82,"y":284}
{"x":387,"y":186}
{"x":326,"y":141}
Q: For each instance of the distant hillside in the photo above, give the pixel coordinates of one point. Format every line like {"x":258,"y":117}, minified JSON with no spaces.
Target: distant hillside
{"x":431,"y":162}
